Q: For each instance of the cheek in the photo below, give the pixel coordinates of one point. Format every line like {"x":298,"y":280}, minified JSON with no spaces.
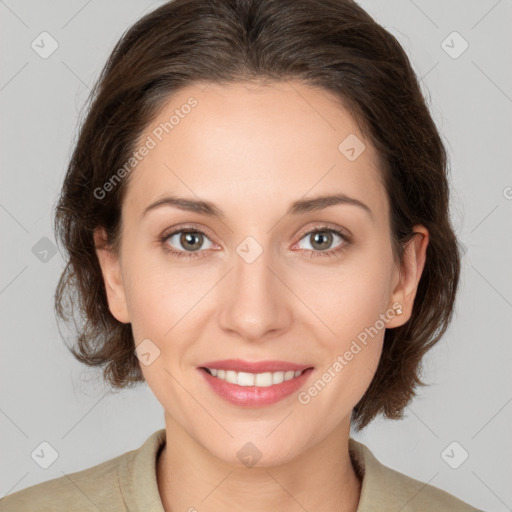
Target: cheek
{"x":161,"y":306}
{"x":159,"y":296}
{"x":352,"y":307}
{"x":350,"y":298}
{"x":166,"y":306}
{"x":354,"y":314}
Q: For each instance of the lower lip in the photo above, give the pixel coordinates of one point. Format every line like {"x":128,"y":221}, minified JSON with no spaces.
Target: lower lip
{"x":253,"y":396}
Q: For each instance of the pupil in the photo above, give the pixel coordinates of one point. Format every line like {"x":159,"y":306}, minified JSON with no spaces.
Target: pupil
{"x":320,"y":235}
{"x":187,"y":238}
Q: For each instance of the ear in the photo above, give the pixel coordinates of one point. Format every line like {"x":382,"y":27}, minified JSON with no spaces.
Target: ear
{"x":111,"y":270}
{"x":409,"y":275}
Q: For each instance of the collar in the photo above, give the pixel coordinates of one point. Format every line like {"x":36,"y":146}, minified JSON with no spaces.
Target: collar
{"x":137,"y":476}
{"x":379,"y":484}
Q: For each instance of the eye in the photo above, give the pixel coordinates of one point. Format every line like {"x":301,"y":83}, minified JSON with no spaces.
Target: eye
{"x":322,"y":238}
{"x":190,"y":240}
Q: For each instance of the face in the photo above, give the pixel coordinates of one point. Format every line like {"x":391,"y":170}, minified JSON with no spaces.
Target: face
{"x":266,"y":273}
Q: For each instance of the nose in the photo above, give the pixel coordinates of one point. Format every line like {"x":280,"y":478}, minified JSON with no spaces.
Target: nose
{"x":256,"y":303}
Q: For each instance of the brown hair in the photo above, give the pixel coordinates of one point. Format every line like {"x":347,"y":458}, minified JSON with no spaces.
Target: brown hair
{"x":332,"y":44}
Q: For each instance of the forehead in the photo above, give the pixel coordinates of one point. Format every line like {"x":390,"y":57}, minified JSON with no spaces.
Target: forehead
{"x":252,"y":143}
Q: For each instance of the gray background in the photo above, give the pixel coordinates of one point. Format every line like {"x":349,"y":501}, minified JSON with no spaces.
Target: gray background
{"x":45,"y":395}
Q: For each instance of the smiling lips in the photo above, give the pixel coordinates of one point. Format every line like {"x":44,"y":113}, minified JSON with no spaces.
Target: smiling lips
{"x":254,"y":384}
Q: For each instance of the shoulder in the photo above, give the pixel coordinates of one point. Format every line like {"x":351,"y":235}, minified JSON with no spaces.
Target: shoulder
{"x":125,"y":481}
{"x":95,"y":488}
{"x":384,"y":488}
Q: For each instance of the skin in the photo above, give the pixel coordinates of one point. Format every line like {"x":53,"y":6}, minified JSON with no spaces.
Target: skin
{"x":252,"y":150}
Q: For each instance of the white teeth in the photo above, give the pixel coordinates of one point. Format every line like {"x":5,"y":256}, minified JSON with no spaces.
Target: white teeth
{"x":231,"y":376}
{"x":262,"y":380}
{"x":277,"y":377}
{"x":245,"y":379}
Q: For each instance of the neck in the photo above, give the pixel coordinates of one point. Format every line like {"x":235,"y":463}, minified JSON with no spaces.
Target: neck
{"x":321,"y":478}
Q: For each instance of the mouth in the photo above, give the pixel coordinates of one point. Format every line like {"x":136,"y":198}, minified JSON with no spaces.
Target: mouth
{"x":254,"y":384}
{"x":260,"y":380}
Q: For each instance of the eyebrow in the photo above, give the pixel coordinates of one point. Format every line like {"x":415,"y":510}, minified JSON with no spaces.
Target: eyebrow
{"x":296,"y":208}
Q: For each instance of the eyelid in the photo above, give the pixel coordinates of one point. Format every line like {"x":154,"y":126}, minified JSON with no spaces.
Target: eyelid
{"x":187,"y":227}
{"x":325,"y":226}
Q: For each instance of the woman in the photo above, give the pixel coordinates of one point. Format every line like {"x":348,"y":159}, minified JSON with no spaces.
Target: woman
{"x":256,"y":218}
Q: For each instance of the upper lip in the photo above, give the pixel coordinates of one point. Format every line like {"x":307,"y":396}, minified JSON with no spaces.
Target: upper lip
{"x":239,"y":365}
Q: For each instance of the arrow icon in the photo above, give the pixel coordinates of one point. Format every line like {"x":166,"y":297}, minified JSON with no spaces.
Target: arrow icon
{"x":454,"y":45}
{"x":147,"y":352}
{"x":44,"y":250}
{"x":351,"y":147}
{"x":44,"y":455}
{"x":44,"y":44}
{"x":249,"y":249}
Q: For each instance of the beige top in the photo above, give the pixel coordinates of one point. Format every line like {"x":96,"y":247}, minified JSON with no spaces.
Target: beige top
{"x":128,"y":483}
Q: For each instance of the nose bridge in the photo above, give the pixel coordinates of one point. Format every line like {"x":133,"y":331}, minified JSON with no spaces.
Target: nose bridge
{"x":254,"y":301}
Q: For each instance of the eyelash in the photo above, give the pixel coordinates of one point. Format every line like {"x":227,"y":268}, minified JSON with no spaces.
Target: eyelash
{"x":201,"y":253}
